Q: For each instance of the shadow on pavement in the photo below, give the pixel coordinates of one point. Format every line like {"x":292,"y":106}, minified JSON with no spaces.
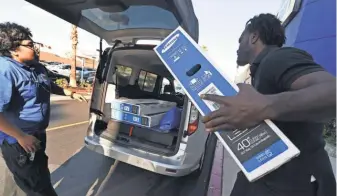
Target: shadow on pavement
{"x":128,"y":180}
{"x":82,"y":174}
{"x":88,"y":172}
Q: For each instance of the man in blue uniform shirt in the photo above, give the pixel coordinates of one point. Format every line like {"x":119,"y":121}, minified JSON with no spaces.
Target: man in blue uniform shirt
{"x":297,"y":94}
{"x":25,"y":109}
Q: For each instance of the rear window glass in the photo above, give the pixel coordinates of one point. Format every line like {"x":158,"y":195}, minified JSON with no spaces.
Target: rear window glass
{"x":124,"y":72}
{"x":147,"y":81}
{"x":132,"y":18}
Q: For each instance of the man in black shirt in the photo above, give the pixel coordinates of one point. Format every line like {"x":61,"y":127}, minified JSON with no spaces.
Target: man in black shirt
{"x":297,"y":94}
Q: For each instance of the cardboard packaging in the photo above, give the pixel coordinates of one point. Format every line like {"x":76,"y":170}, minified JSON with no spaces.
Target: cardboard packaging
{"x":257,"y":151}
{"x":142,"y":106}
{"x":146,"y":121}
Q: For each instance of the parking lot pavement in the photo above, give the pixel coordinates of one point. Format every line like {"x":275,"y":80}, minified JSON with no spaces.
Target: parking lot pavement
{"x":78,"y":171}
{"x":2,"y":172}
{"x":230,"y":170}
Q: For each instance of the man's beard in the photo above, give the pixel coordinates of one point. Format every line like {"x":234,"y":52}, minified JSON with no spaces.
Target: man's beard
{"x":243,"y":58}
{"x":31,"y":62}
{"x":34,"y":61}
{"x":241,"y":63}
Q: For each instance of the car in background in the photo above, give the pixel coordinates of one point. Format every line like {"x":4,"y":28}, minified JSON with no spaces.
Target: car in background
{"x":90,"y":77}
{"x":90,"y":80}
{"x":54,"y":76}
{"x":44,"y":63}
{"x":86,"y":74}
{"x":51,"y":74}
{"x":53,"y":63}
{"x":65,"y":69}
{"x":53,"y":67}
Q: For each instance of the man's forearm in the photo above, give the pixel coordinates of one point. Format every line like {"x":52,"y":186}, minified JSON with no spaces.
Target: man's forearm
{"x":314,"y":103}
{"x":9,"y":129}
{"x":57,"y":90}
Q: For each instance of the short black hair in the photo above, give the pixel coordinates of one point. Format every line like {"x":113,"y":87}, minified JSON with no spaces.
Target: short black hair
{"x":269,"y":27}
{"x":11,"y":35}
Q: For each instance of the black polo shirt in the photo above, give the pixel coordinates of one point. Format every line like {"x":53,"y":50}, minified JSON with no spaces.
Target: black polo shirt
{"x":273,"y":71}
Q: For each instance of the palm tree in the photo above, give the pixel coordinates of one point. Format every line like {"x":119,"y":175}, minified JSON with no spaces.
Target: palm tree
{"x":74,"y":42}
{"x":204,"y":48}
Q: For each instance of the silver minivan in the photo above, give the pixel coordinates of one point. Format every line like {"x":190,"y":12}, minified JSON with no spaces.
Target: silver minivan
{"x":131,"y":69}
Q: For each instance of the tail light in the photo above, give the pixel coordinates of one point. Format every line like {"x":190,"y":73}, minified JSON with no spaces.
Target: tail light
{"x":193,"y":120}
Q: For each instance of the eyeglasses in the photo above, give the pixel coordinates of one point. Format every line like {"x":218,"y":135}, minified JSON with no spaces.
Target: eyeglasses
{"x":31,"y":45}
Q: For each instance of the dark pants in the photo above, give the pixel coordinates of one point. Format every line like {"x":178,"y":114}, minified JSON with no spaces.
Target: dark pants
{"x":243,"y":187}
{"x":33,"y":177}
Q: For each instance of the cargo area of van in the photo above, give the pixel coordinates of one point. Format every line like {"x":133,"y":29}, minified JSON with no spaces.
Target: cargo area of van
{"x":137,"y":74}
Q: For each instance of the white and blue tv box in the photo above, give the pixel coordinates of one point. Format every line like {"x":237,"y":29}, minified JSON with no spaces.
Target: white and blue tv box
{"x":145,"y":121}
{"x":142,"y":106}
{"x":258,"y":150}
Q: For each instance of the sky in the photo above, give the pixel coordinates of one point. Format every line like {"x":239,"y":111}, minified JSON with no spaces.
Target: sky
{"x":221,"y":23}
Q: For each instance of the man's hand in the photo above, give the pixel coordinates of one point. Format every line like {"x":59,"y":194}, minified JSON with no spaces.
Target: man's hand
{"x":29,"y":143}
{"x":79,"y":97}
{"x":246,"y":109}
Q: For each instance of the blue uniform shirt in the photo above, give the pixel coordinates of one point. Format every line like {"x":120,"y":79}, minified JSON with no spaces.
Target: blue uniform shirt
{"x":24,"y":97}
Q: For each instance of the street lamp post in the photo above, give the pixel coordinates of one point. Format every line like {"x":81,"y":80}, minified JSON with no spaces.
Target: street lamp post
{"x":93,"y":62}
{"x":82,"y":70}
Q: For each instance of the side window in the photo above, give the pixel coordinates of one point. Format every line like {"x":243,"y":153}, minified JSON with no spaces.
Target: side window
{"x":178,"y":88}
{"x":147,"y":81}
{"x":124,"y":72}
{"x":164,"y":83}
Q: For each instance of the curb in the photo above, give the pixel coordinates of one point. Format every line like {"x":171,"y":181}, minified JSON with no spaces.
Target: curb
{"x":65,"y":98}
{"x":215,"y":183}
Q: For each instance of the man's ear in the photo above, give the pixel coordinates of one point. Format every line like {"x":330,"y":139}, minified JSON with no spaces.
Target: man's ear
{"x":14,"y":53}
{"x":254,"y":37}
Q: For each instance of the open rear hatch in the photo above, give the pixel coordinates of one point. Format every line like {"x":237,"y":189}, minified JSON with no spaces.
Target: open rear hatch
{"x":126,"y":21}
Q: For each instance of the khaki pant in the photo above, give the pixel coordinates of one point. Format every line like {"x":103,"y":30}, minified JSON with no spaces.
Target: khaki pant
{"x":9,"y":187}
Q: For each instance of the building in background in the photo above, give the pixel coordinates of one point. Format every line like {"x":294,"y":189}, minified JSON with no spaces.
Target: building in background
{"x":89,"y":61}
{"x":311,"y":25}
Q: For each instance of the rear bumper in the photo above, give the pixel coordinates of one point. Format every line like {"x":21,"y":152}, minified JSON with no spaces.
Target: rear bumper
{"x":170,"y":166}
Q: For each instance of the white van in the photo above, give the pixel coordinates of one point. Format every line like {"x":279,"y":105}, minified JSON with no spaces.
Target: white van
{"x":127,"y":64}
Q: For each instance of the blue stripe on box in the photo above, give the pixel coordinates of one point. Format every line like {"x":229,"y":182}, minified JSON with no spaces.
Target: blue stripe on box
{"x":125,"y":107}
{"x":128,"y":117}
{"x":129,"y":108}
{"x":265,"y":156}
